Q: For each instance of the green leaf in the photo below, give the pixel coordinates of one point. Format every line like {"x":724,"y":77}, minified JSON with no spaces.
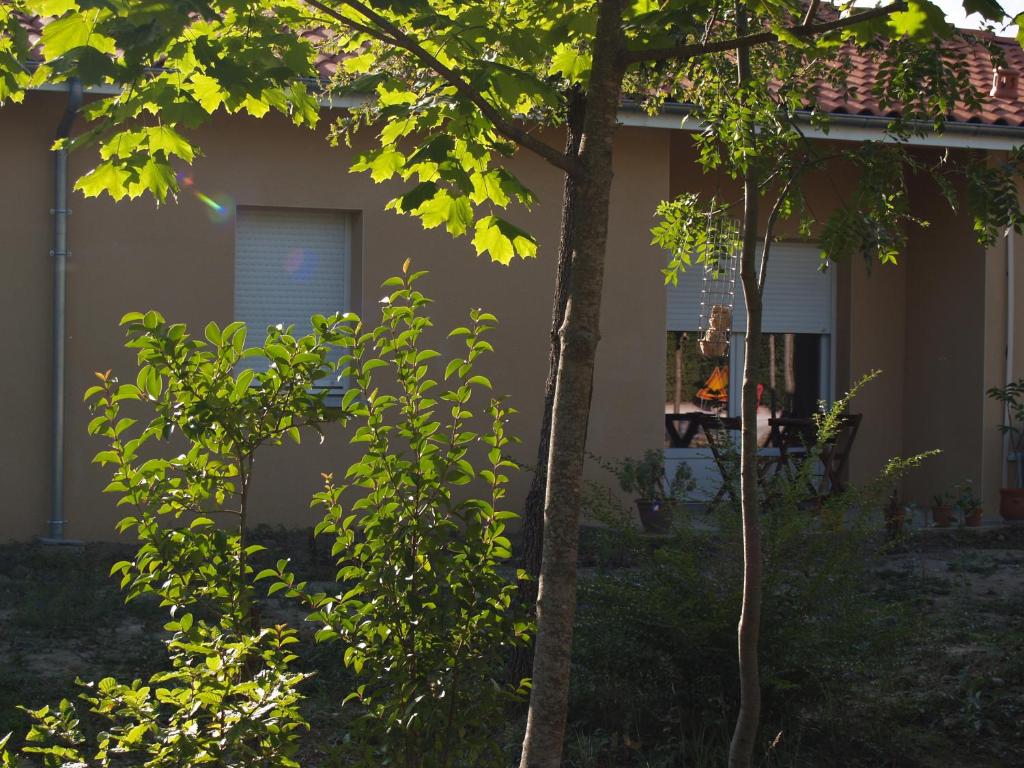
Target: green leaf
{"x":489,"y":239}
{"x":207,"y":91}
{"x":570,"y":63}
{"x":989,"y":9}
{"x":53,"y":7}
{"x":105,"y":177}
{"x":922,"y":19}
{"x":163,"y":138}
{"x":157,"y":178}
{"x":73,"y":31}
{"x":417,"y":196}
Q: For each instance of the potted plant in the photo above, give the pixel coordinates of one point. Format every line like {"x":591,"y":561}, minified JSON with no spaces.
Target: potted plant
{"x":895,"y":516}
{"x":655,"y":493}
{"x":969,"y":504}
{"x":942,"y":510}
{"x":1011,"y":500}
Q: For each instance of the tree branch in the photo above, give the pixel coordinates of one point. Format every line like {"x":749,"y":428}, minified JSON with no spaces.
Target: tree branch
{"x":692,"y":50}
{"x":389,"y":33}
{"x":812,"y":9}
{"x":769,"y":230}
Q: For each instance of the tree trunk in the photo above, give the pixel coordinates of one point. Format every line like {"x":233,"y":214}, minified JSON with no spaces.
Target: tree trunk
{"x":533,"y":512}
{"x":742,"y":747}
{"x":678,"y":382}
{"x":787,"y":365}
{"x":741,"y":750}
{"x":579,"y":333}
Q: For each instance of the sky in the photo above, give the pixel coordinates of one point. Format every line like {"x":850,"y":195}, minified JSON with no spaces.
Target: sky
{"x":955,"y":13}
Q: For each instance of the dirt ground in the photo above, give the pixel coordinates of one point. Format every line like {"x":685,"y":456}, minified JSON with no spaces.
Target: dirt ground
{"x":957,"y":700}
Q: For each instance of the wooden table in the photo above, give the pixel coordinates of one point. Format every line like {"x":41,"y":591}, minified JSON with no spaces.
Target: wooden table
{"x":791,"y":442}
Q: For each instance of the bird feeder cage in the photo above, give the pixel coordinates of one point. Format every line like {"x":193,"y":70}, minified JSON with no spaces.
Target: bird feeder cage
{"x":718,"y":289}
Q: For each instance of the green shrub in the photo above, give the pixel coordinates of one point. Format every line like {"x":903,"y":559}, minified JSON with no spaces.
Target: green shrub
{"x":230,"y":696}
{"x":424,"y":617}
{"x":654,"y":657}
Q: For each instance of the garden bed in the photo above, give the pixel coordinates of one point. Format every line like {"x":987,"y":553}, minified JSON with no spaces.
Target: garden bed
{"x":951,"y":691}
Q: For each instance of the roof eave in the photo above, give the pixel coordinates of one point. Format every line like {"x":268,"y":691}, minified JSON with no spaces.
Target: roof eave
{"x":841,"y":127}
{"x":849,"y":128}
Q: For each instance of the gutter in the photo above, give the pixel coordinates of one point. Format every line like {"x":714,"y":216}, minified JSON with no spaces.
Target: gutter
{"x":60,"y":253}
{"x":848,"y":128}
{"x":678,"y":117}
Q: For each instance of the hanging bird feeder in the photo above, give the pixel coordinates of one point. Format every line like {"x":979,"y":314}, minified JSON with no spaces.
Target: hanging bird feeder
{"x":718,"y":289}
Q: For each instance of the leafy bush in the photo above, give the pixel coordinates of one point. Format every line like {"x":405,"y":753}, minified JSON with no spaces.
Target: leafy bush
{"x":424,"y":615}
{"x":230,"y":696}
{"x":225,"y":701}
{"x":654,"y":657}
{"x":645,"y":477}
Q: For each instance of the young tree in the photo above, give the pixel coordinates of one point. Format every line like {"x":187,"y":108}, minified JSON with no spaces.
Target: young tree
{"x":754,"y":104}
{"x":452,"y":89}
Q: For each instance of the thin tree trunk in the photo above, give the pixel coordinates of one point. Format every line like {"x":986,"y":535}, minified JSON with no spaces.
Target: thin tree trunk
{"x":556,"y":599}
{"x":533,"y":512}
{"x":533,"y":517}
{"x":787,"y":365}
{"x":678,"y":373}
{"x":741,"y":750}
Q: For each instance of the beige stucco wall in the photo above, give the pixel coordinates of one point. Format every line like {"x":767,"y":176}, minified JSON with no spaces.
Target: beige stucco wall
{"x":25,"y":301}
{"x":944,"y":383}
{"x":935,"y":323}
{"x":133,"y":255}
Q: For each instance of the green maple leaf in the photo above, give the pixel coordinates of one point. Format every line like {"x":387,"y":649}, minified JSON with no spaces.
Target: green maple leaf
{"x":74,"y":31}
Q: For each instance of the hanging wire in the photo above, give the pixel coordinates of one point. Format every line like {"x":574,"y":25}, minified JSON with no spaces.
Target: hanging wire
{"x":718,"y":287}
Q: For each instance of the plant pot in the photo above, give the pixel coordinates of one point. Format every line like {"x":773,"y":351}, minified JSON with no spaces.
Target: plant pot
{"x":972,"y":518}
{"x":942,"y":516}
{"x":655,"y":516}
{"x":1011,"y":503}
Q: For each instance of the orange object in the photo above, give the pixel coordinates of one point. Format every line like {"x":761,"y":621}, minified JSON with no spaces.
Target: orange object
{"x":717,"y":386}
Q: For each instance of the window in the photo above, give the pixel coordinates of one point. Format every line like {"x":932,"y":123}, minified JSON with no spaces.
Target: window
{"x":289,"y":266}
{"x":796,"y":349}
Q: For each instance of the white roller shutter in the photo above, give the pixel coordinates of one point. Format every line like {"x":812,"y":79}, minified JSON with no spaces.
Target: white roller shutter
{"x":290,"y":265}
{"x":798,"y":297}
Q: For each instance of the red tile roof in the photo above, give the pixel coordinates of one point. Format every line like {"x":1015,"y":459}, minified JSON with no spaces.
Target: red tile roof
{"x":1003,"y":109}
{"x":1000,"y":109}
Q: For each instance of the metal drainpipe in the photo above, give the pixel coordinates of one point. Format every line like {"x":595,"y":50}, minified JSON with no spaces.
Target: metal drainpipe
{"x":1010,"y":295}
{"x":60,"y":254}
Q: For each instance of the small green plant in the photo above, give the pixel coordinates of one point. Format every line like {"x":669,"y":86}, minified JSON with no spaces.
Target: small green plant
{"x":1012,"y":398}
{"x":964,"y":495}
{"x":225,"y":701}
{"x":423,"y":614}
{"x":646,"y":479}
{"x":230,"y":696}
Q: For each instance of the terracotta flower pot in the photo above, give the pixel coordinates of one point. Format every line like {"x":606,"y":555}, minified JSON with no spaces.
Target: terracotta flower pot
{"x":655,"y":516}
{"x":972,"y":519}
{"x":1011,"y":503}
{"x":942,"y":516}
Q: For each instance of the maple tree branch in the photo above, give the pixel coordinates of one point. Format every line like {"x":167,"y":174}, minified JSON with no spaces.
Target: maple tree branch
{"x":391,"y":34}
{"x":812,"y":10}
{"x":692,"y":50}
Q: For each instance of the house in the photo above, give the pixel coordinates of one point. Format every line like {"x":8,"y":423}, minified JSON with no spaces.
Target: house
{"x":270,"y":225}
